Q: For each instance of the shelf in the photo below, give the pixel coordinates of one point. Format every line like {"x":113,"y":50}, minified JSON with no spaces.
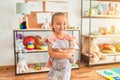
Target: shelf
{"x":35,"y":29}
{"x":42,"y":54}
{"x":112,"y":54}
{"x":110,"y":58}
{"x":31,"y":70}
{"x":33,"y":51}
{"x":102,"y":16}
{"x":94,"y":18}
{"x":46,"y":69}
{"x":100,"y":35}
{"x":106,"y":0}
{"x":47,"y":0}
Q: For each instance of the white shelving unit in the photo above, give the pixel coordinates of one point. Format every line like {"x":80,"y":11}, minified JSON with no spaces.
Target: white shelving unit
{"x":90,"y":19}
{"x":40,"y":56}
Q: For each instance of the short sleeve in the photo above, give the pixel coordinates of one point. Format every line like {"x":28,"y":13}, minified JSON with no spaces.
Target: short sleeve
{"x":50,"y":39}
{"x":70,"y":37}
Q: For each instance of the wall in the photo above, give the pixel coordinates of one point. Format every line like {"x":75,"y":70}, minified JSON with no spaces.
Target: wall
{"x":9,"y":22}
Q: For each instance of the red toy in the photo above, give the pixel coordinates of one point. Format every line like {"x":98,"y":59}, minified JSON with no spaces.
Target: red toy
{"x":28,"y":39}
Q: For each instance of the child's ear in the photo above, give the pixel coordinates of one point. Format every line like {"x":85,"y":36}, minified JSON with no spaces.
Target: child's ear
{"x":51,"y":26}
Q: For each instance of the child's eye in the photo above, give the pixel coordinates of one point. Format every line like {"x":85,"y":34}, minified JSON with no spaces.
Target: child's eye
{"x":64,"y":23}
{"x":58,"y":23}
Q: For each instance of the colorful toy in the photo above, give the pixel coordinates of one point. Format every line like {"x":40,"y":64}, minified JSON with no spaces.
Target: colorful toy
{"x":38,"y":66}
{"x":28,"y":39}
{"x":44,"y":47}
{"x":110,"y":74}
{"x":107,"y":48}
{"x":30,"y":46}
{"x":23,"y":23}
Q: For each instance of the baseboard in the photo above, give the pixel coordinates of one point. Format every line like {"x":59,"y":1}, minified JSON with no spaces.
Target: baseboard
{"x":7,"y":68}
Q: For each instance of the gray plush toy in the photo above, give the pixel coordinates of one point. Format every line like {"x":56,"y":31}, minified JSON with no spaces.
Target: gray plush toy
{"x":61,"y":68}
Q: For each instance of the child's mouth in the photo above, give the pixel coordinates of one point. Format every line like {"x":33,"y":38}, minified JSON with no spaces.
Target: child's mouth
{"x":61,"y":29}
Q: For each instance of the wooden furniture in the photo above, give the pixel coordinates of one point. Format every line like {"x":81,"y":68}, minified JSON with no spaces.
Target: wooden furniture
{"x":91,"y":21}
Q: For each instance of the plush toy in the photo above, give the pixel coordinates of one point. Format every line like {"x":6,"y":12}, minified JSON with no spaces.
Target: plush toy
{"x":46,"y":25}
{"x":95,"y":54}
{"x":112,"y":8}
{"x":62,"y":65}
{"x":19,"y":43}
{"x":38,"y":42}
{"x":22,"y":64}
{"x":28,"y":39}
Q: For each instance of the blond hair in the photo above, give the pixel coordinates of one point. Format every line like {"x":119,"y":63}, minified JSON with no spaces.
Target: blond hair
{"x":56,"y":14}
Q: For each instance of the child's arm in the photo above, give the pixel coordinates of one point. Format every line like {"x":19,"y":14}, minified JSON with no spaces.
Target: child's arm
{"x":58,"y":54}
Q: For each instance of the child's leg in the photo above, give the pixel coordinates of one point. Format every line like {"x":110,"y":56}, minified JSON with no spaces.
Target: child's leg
{"x":66,"y":73}
{"x":52,"y":74}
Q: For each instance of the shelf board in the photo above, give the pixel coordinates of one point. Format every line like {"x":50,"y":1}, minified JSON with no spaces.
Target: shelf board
{"x":112,"y":54}
{"x":29,"y":51}
{"x":32,"y":70}
{"x":103,"y":16}
{"x":36,"y":29}
{"x":33,"y":51}
{"x":108,"y":54}
{"x":107,"y":0}
{"x":101,"y":35}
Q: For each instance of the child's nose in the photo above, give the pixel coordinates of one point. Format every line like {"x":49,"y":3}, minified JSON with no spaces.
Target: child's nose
{"x":62,"y":26}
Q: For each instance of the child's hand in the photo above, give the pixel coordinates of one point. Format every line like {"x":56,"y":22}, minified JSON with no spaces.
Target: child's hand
{"x":60,"y":50}
{"x":70,"y":53}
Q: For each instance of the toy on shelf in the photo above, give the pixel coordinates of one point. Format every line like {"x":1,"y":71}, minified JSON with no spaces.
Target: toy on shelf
{"x":46,"y":25}
{"x":38,"y":42}
{"x":19,"y":43}
{"x":112,"y":8}
{"x":23,"y":23}
{"x":94,"y":52}
{"x":44,"y":47}
{"x":22,"y":64}
{"x":39,"y":66}
{"x":29,"y":41}
{"x":30,"y":46}
{"x":107,"y":48}
{"x":103,"y":31}
{"x":118,"y":46}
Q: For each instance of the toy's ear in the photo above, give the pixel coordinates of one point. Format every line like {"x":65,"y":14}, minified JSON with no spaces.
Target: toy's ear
{"x":38,"y":37}
{"x":19,"y":36}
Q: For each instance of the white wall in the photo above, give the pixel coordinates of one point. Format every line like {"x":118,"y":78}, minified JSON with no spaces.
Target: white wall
{"x":9,"y":22}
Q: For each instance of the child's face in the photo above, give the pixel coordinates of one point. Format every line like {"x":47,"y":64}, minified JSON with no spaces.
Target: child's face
{"x":59,"y":24}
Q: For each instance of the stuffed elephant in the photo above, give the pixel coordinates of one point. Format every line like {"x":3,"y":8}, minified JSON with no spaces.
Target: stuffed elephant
{"x":61,"y":68}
